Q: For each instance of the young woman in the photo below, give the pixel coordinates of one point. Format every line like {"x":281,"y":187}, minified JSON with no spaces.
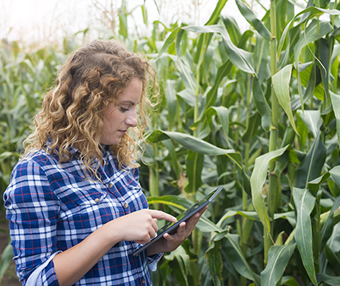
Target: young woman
{"x":75,"y":206}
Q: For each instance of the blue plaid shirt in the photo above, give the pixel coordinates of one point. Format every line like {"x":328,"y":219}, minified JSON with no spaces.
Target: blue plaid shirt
{"x":51,"y":208}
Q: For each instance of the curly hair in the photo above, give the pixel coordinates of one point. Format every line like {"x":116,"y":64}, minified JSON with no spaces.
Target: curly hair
{"x":72,"y":112}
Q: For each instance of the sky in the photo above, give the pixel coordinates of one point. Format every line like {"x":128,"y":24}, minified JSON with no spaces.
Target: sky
{"x":41,"y":20}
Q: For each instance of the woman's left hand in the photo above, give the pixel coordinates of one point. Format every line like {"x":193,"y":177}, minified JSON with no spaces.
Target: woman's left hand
{"x":171,"y":242}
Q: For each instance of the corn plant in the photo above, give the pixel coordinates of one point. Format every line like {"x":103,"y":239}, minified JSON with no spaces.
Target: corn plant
{"x":257,"y":112}
{"x":24,"y":78}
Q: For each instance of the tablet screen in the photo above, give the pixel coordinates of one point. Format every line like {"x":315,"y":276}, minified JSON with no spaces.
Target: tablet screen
{"x":188,"y":213}
{"x":171,"y":227}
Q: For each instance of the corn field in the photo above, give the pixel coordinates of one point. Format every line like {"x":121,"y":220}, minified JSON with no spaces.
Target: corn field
{"x":257,"y":111}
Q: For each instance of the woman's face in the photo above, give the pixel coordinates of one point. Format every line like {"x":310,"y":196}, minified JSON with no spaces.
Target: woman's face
{"x":119,"y":116}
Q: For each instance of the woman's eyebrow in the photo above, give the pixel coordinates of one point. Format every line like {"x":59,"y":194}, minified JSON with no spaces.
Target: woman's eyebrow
{"x":127,"y":102}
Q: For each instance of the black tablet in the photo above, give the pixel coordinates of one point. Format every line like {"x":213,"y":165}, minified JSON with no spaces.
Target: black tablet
{"x":171,"y":227}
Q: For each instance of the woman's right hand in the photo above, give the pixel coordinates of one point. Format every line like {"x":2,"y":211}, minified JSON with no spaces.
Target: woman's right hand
{"x":140,"y":226}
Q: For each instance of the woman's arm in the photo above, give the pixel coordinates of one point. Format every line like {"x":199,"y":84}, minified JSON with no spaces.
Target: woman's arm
{"x":171,"y":242}
{"x":75,"y":262}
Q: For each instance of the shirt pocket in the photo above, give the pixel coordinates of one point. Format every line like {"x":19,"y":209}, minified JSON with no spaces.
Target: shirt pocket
{"x":88,"y":212}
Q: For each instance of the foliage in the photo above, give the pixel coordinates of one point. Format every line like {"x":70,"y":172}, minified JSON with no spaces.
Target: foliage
{"x":255,"y":111}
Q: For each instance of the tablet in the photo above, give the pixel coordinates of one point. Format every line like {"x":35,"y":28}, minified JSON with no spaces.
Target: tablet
{"x":171,"y":227}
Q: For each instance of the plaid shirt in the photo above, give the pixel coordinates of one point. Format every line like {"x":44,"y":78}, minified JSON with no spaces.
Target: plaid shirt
{"x":51,"y":208}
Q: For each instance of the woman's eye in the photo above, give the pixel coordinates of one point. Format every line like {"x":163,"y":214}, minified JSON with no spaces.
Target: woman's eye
{"x":122,"y":109}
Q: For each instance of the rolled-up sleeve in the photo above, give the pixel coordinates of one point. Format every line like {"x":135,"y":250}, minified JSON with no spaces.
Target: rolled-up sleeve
{"x":153,"y":260}
{"x":32,"y":209}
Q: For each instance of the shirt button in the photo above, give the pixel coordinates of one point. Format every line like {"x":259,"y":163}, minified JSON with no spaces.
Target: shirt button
{"x":143,"y":281}
{"x":97,"y":200}
{"x":126,"y":205}
{"x":110,"y":185}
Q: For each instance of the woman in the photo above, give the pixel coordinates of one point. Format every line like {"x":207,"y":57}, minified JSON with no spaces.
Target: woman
{"x":75,"y":205}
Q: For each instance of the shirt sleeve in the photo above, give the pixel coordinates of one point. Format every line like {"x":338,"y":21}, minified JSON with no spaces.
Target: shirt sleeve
{"x":153,"y":260}
{"x":32,"y":209}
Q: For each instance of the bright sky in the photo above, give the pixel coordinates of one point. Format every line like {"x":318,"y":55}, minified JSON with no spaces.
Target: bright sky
{"x":38,"y":20}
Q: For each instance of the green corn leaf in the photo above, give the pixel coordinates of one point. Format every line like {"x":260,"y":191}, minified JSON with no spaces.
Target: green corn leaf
{"x":261,"y":105}
{"x":253,"y":20}
{"x":335,"y":175}
{"x":194,"y":166}
{"x":214,"y":258}
{"x":212,"y":93}
{"x":304,"y":203}
{"x":322,"y":53}
{"x":204,"y":39}
{"x":312,"y":10}
{"x":311,"y":166}
{"x":247,"y":214}
{"x":144,"y":13}
{"x":216,"y":13}
{"x":171,"y":101}
{"x":315,"y":185}
{"x":335,"y":99}
{"x":312,"y":119}
{"x":169,"y":40}
{"x":6,"y":258}
{"x":174,"y":159}
{"x":314,"y":32}
{"x":123,"y":25}
{"x":332,"y":256}
{"x":188,"y":96}
{"x":223,"y":115}
{"x":194,"y":144}
{"x":239,"y":57}
{"x":329,"y":280}
{"x":327,"y":228}
{"x":281,"y":87}
{"x":257,"y":180}
{"x":237,"y":258}
{"x":254,"y":122}
{"x":289,"y":281}
{"x":183,"y":260}
{"x":233,"y":29}
{"x":186,"y":75}
{"x":278,"y":258}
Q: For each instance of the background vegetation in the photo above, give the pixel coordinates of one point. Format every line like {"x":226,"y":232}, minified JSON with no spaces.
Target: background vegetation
{"x":257,"y":111}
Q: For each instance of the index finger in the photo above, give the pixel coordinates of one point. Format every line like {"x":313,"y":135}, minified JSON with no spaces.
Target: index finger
{"x":162,"y":215}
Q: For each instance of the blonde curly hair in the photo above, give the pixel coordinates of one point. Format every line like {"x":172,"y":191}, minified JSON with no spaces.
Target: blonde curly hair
{"x":72,"y":112}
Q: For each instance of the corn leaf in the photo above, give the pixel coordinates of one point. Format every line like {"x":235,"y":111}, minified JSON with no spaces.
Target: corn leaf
{"x":6,"y":258}
{"x":335,"y":99}
{"x":304,"y":202}
{"x":278,"y":258}
{"x":327,"y":228}
{"x":311,"y":166}
{"x":239,"y":57}
{"x":237,"y":258}
{"x":329,"y":280}
{"x":257,"y":180}
{"x":253,"y":20}
{"x":281,"y":87}
{"x":194,"y":166}
{"x":314,"y":32}
{"x":312,"y":119}
{"x":261,"y":105}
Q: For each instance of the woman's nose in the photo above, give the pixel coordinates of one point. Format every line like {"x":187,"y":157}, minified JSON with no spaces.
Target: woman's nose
{"x":131,"y":119}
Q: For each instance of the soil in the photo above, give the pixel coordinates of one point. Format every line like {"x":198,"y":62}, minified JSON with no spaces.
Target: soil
{"x":10,"y":278}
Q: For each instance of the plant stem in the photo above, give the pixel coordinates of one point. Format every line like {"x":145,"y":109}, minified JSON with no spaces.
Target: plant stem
{"x":273,"y":179}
